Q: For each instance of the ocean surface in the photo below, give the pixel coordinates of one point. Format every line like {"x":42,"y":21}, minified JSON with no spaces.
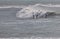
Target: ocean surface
{"x":11,"y":26}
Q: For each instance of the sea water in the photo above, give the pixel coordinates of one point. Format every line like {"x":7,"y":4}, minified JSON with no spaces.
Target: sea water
{"x":11,"y":26}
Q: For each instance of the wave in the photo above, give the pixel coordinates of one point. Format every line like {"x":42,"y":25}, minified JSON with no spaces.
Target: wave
{"x":34,"y":11}
{"x":39,"y":4}
{"x":49,"y":5}
{"x":12,"y":6}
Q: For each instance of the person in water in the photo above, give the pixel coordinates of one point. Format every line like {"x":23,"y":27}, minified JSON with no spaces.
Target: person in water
{"x":35,"y":16}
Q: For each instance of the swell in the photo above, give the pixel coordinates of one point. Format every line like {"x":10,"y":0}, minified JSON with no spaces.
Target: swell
{"x":39,"y":10}
{"x":49,"y":5}
{"x":13,"y":6}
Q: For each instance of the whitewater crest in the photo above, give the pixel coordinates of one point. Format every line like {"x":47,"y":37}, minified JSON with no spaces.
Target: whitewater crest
{"x":34,"y":11}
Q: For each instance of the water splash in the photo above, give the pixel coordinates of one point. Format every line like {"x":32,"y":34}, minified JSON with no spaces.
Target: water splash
{"x":33,"y":11}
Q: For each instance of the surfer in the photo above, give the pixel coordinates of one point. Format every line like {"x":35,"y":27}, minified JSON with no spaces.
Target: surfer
{"x":36,"y":15}
{"x":33,"y":15}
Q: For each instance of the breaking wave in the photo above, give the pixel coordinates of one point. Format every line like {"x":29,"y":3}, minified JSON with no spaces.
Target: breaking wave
{"x":50,"y":5}
{"x":22,"y":6}
{"x":37,"y":11}
{"x":13,"y":6}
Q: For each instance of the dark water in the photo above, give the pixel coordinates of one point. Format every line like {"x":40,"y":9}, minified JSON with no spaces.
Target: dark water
{"x":11,"y":26}
{"x":27,"y":2}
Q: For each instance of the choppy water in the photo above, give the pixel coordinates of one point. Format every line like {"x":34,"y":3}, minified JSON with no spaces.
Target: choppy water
{"x":27,"y":2}
{"x":10,"y":26}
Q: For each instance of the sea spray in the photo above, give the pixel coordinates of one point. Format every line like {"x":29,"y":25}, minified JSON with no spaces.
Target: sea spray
{"x":33,"y":11}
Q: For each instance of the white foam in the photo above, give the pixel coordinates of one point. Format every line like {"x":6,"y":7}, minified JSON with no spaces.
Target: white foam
{"x":12,"y":6}
{"x":39,"y":4}
{"x":31,"y":10}
{"x":31,"y":38}
{"x":49,"y":5}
